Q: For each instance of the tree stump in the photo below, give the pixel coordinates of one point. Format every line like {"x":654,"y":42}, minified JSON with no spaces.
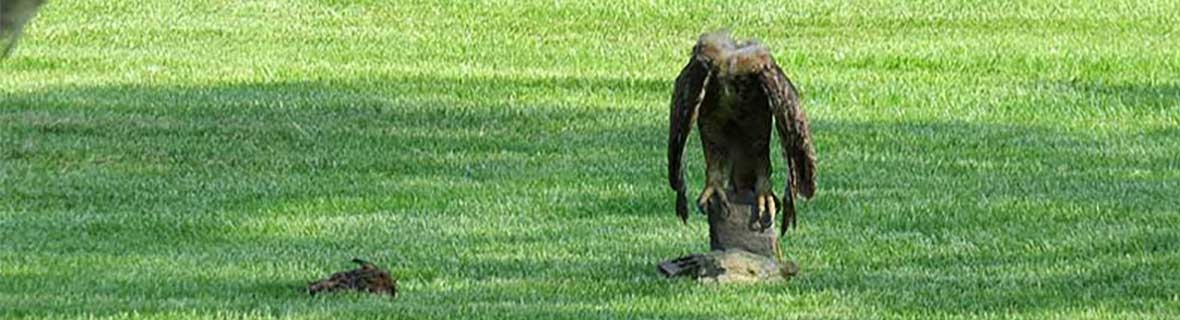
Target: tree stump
{"x":732,"y":225}
{"x":741,"y":251}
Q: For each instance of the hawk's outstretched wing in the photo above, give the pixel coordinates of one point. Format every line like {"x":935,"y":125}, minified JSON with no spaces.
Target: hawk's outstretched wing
{"x":14,"y":14}
{"x":686,"y":99}
{"x":794,"y":135}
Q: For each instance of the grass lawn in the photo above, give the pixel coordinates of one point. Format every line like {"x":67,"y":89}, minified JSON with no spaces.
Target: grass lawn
{"x":205,"y":159}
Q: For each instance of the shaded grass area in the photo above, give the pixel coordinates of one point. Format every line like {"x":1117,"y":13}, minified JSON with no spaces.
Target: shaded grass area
{"x":519,"y":172}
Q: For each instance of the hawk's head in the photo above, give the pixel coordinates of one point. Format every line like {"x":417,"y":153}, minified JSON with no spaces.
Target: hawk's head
{"x":729,"y":58}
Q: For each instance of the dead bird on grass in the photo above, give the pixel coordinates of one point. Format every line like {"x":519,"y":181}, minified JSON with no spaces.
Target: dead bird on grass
{"x":368,"y":278}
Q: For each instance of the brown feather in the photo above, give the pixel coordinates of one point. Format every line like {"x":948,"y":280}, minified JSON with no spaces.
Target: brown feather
{"x":686,"y":98}
{"x":367,"y":278}
{"x":794,"y":136}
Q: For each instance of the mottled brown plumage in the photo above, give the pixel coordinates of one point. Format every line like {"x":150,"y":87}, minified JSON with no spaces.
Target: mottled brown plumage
{"x":367,"y":278}
{"x":14,"y":14}
{"x":736,"y":93}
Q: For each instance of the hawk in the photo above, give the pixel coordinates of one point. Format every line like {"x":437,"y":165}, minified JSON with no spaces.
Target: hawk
{"x":734,"y":91}
{"x":14,"y":14}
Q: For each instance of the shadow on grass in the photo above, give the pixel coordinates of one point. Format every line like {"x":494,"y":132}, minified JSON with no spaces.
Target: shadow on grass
{"x":1146,"y":96}
{"x":489,"y":198}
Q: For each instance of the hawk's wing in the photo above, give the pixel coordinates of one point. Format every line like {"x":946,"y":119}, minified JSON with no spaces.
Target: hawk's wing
{"x":795,"y":137}
{"x":14,"y":14}
{"x":686,"y":98}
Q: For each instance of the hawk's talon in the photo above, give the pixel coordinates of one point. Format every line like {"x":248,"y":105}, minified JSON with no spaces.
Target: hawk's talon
{"x":754,"y":219}
{"x":763,"y":212}
{"x":706,"y":199}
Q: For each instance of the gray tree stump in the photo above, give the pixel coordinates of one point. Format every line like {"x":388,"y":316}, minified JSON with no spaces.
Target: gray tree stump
{"x":741,"y":251}
{"x":732,"y":226}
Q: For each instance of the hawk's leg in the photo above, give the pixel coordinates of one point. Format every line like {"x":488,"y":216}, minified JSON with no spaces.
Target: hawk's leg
{"x":707,"y":198}
{"x":715,"y":177}
{"x":766,"y":204}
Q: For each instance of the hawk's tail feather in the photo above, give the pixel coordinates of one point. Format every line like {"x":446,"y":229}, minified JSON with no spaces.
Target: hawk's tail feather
{"x":803,"y":172}
{"x":803,"y":166}
{"x":682,"y":206}
{"x":788,"y":212}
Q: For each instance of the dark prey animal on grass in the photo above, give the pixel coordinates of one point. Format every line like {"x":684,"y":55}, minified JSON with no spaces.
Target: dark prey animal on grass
{"x":368,"y":278}
{"x":735,"y":92}
{"x":14,"y":14}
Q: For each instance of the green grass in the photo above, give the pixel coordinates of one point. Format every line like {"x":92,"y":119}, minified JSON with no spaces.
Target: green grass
{"x":175,"y":159}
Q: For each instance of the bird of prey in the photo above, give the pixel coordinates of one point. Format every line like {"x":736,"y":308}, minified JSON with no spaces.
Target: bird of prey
{"x":14,"y":14}
{"x":735,"y":92}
